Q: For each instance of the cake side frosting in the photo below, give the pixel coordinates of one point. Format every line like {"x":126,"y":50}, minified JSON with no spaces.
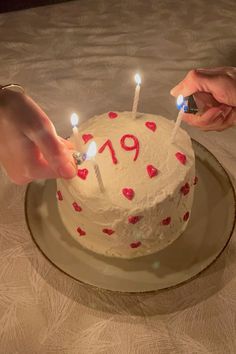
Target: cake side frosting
{"x":149,"y":186}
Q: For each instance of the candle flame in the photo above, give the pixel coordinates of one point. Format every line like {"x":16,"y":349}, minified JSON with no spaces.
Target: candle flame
{"x":92,"y":150}
{"x":180,"y":101}
{"x":74,"y":119}
{"x":137,"y":79}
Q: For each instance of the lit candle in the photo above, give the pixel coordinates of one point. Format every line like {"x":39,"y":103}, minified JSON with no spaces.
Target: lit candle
{"x":137,"y":78}
{"x":74,"y":122}
{"x":91,"y":153}
{"x":179,"y":103}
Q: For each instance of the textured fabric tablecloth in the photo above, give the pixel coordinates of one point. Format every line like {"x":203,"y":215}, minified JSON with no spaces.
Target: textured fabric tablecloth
{"x":82,"y":56}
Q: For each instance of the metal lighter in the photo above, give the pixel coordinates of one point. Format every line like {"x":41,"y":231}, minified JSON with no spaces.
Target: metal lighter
{"x":79,"y":157}
{"x":188,"y":104}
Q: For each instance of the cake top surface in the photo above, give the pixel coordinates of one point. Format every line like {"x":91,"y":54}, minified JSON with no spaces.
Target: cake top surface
{"x":138,"y":164}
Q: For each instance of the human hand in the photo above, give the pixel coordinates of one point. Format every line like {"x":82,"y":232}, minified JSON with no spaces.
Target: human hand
{"x":216,"y":89}
{"x":29,"y":146}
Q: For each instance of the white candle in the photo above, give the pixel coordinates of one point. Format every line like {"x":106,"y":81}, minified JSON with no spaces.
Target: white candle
{"x":176,"y":127}
{"x":136,"y":95}
{"x":98,"y":175}
{"x":92,"y":150}
{"x":74,"y":122}
{"x":179,"y":103}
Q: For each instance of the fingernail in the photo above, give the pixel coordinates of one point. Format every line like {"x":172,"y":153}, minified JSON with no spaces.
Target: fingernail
{"x":201,"y":70}
{"x":68,"y":170}
{"x":206,"y":71}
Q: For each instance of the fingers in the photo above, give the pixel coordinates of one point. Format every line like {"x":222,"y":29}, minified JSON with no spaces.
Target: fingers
{"x":23,"y":161}
{"x":227,"y":122}
{"x":223,"y":70}
{"x":55,"y":152}
{"x":38,"y":128}
{"x":67,"y":143}
{"x":215,"y":118}
{"x":220,"y":83}
{"x":34,"y":148}
{"x":205,"y":101}
{"x":215,"y":90}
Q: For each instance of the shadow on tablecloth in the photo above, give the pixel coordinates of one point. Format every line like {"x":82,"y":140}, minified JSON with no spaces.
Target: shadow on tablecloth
{"x":196,"y":291}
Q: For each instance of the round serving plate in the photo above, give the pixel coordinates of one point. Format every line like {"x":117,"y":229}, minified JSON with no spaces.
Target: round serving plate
{"x":208,"y":232}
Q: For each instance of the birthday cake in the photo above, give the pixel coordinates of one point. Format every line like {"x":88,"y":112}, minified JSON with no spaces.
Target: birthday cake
{"x":148,"y":186}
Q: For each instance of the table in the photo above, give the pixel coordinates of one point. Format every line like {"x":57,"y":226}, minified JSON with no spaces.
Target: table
{"x":81,"y":56}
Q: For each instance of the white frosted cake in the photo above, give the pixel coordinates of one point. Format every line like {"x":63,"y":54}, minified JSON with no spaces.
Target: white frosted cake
{"x":149,"y":186}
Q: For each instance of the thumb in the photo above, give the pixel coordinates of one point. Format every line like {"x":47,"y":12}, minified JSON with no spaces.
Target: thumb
{"x":55,"y":151}
{"x":220,"y":85}
{"x":58,"y":155}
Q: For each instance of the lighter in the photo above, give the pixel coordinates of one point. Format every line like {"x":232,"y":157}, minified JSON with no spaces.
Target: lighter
{"x":79,"y":157}
{"x":188,"y":104}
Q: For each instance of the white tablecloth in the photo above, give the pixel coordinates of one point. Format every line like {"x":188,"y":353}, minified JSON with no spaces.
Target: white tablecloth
{"x":81,"y":56}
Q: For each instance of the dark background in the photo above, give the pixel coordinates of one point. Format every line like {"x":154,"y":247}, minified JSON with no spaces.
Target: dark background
{"x":14,"y":5}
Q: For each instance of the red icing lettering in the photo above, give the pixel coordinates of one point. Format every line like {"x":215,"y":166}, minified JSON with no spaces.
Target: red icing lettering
{"x":81,"y":232}
{"x":185,"y":189}
{"x":82,"y":173}
{"x":135,"y":244}
{"x":134,"y":219}
{"x":152,"y":171}
{"x":109,"y":144}
{"x":135,"y":145}
{"x":112,"y":115}
{"x":151,"y":125}
{"x":59,"y":195}
{"x":108,"y":231}
{"x":87,"y":137}
{"x":186,"y":216}
{"x":181,"y":157}
{"x":166,"y":221}
{"x":76,"y":207}
{"x":128,"y":193}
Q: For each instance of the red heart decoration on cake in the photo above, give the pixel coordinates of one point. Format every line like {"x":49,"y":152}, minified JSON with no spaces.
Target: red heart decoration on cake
{"x":166,"y":221}
{"x":134,"y":219}
{"x":128,"y":193}
{"x":135,"y":244}
{"x":195,"y":180}
{"x":112,"y":115}
{"x":181,"y":157}
{"x":108,"y":231}
{"x":185,"y":189}
{"x":82,"y":173}
{"x":76,"y":207}
{"x":81,"y":232}
{"x":151,"y":125}
{"x":152,"y":171}
{"x":87,"y":137}
{"x":186,"y":216}
{"x":59,"y":195}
